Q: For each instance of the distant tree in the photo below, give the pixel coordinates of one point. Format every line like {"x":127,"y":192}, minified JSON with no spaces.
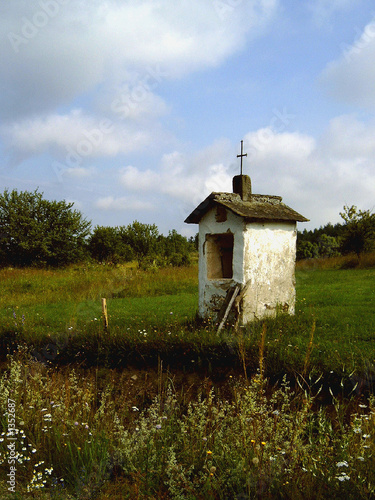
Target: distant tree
{"x":328,"y":246}
{"x":143,"y":239}
{"x":359,"y":230}
{"x":194,"y":240}
{"x":106,"y":245}
{"x":175,"y":249}
{"x":35,"y":231}
{"x":307,"y":250}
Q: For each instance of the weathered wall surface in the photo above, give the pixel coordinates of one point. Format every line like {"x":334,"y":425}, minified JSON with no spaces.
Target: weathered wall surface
{"x":263,"y":255}
{"x":212,"y":292}
{"x":270,"y":250}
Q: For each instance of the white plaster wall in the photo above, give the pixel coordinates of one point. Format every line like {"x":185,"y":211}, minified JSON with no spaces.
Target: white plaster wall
{"x":269,"y":266}
{"x":263,"y":255}
{"x":211,"y":292}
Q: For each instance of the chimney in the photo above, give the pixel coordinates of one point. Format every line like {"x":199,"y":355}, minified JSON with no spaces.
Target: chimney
{"x":242,"y":186}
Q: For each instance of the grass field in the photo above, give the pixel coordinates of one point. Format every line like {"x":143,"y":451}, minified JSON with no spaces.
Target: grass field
{"x":157,"y":310}
{"x":160,"y":406}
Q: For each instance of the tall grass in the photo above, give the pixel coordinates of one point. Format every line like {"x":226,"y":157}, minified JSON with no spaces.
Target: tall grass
{"x":90,"y":435}
{"x":153,"y":314}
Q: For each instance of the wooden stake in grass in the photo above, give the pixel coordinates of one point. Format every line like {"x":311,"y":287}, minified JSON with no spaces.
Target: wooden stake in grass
{"x":261,"y":350}
{"x":105,"y":314}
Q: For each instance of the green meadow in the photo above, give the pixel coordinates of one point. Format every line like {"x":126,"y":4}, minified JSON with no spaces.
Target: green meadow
{"x":335,"y":316}
{"x":158,"y":405}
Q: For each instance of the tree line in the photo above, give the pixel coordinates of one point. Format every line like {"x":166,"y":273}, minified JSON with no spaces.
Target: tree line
{"x":356,"y":234}
{"x":38,"y":232}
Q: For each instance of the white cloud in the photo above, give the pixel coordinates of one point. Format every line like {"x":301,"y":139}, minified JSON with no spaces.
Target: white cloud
{"x":351,"y":78}
{"x":75,"y":134}
{"x":123,"y":204}
{"x":318,"y":176}
{"x":315,"y":176}
{"x":137,"y":180}
{"x":186,"y":178}
{"x":85,"y":44}
{"x":80,"y":172}
{"x":323,"y":9}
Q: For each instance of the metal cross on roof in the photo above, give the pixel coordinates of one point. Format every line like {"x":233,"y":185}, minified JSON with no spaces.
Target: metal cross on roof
{"x":241,"y":155}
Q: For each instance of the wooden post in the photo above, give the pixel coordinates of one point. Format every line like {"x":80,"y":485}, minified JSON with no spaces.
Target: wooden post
{"x":229,"y":307}
{"x":105,"y":314}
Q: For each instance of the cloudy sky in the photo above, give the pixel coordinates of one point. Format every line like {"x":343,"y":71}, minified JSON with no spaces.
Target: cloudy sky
{"x":135,"y":109}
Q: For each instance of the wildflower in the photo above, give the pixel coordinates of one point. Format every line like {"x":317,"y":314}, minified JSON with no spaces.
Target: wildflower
{"x":76,"y":423}
{"x":209,"y":452}
{"x":263,"y":443}
{"x":342,"y":464}
{"x":255,"y":460}
{"x":33,"y":450}
{"x":134,"y":408}
{"x":366,"y":436}
{"x":343,"y":477}
{"x":252,"y":441}
{"x":158,"y":426}
{"x":204,"y":439}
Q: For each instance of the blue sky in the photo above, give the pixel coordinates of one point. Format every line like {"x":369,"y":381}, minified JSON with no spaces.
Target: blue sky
{"x":134,"y":110}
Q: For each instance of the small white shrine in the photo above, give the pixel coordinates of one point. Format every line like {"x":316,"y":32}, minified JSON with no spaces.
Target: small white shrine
{"x":247,"y":253}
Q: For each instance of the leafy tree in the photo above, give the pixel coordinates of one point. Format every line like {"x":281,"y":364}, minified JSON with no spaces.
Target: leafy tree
{"x":328,"y":246}
{"x":175,"y":249}
{"x":359,"y":230}
{"x":35,"y":231}
{"x":307,"y":250}
{"x":106,"y":245}
{"x":142,"y":238}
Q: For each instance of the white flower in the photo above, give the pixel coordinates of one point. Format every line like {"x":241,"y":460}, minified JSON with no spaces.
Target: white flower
{"x":342,"y":464}
{"x":343,"y":478}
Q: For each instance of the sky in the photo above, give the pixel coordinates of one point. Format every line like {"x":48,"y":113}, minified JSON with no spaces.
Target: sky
{"x":135,"y":109}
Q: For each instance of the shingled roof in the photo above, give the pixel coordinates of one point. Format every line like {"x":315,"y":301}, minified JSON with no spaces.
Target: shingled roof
{"x":258,"y":207}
